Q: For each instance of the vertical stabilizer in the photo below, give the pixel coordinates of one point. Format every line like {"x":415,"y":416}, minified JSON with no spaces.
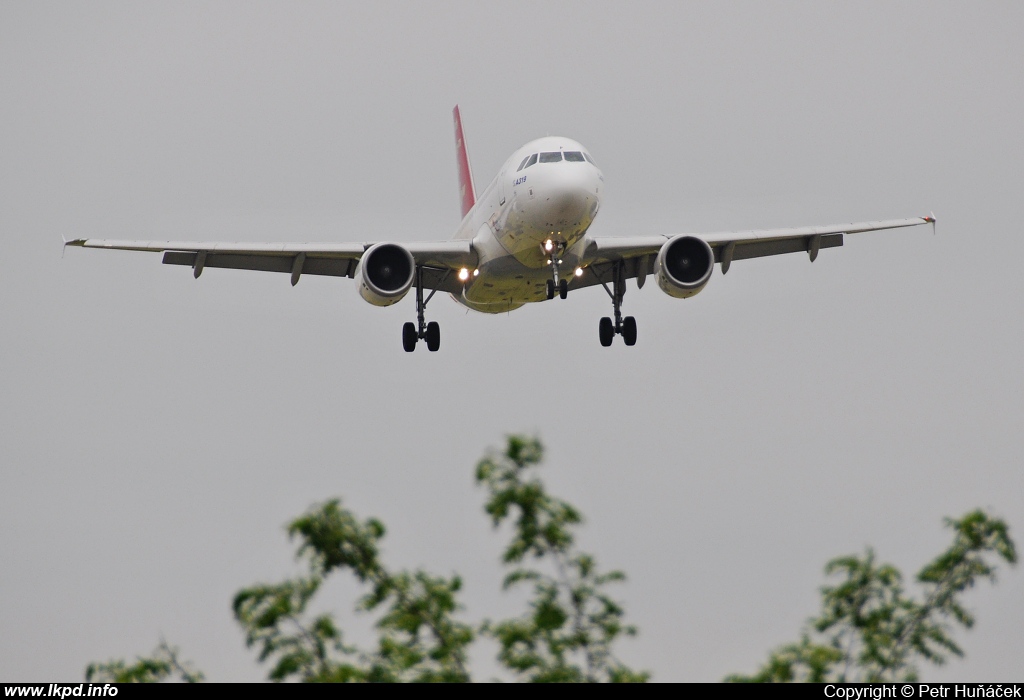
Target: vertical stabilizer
{"x":467,"y":193}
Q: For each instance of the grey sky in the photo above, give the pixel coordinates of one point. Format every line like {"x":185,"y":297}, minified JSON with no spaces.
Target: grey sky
{"x":156,"y":431}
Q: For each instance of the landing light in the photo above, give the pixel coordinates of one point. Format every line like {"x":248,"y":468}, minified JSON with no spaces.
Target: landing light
{"x":579,"y":271}
{"x":463,"y":274}
{"x":548,"y":245}
{"x":476,"y":272}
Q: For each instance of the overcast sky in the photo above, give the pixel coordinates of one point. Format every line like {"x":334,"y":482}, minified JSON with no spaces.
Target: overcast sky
{"x":157,"y":432}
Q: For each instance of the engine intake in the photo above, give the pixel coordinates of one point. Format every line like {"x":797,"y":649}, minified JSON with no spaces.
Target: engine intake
{"x":683,"y":266}
{"x":385,"y":274}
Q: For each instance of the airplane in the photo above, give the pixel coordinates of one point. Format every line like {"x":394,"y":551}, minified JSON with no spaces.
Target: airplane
{"x":525,"y":238}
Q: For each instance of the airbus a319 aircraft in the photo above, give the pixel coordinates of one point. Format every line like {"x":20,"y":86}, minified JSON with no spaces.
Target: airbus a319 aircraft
{"x":523,"y":239}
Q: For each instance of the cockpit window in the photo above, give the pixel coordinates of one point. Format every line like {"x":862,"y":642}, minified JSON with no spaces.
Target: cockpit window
{"x":523,"y":164}
{"x":574,"y":156}
{"x":531,"y":160}
{"x":551,"y":157}
{"x":589,"y":159}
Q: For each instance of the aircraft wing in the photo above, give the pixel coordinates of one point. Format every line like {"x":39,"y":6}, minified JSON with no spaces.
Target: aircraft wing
{"x":297,"y":259}
{"x":637,"y":254}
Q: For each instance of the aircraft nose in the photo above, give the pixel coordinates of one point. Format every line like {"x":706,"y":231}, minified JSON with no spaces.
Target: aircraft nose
{"x":567,"y":195}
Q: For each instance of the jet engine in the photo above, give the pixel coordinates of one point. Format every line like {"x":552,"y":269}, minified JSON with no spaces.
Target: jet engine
{"x":683,"y":266}
{"x":385,"y":274}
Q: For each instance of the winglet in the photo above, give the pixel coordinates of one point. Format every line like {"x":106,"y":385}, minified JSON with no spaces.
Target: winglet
{"x":76,"y":242}
{"x":931,"y":220}
{"x":467,"y":193}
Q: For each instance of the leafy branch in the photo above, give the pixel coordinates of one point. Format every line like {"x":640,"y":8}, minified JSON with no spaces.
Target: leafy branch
{"x":568,"y":633}
{"x":420,"y":639}
{"x":162,"y":665}
{"x":870,"y":630}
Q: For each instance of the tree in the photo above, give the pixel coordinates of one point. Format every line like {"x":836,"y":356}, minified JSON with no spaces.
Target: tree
{"x":870,"y":630}
{"x":420,"y":638}
{"x":161,"y":665}
{"x":566,"y":634}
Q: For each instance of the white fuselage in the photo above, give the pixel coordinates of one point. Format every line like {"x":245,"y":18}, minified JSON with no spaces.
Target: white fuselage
{"x":549,"y":203}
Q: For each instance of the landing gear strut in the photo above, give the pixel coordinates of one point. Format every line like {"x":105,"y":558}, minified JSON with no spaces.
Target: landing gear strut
{"x":413,"y":332}
{"x":554,"y":253}
{"x":626,"y":327}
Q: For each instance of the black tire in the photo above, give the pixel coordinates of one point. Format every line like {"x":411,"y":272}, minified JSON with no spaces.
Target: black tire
{"x":606,"y":331}
{"x":433,"y":336}
{"x":629,"y":330}
{"x":563,"y":288}
{"x":409,"y":337}
{"x":551,"y":289}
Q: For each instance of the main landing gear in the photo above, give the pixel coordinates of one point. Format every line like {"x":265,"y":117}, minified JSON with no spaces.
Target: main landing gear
{"x":626,"y":327}
{"x":430,"y":332}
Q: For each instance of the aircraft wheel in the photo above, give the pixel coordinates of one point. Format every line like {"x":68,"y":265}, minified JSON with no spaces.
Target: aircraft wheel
{"x":433,"y":336}
{"x":606,"y":331}
{"x":563,"y":288}
{"x":409,"y":337}
{"x":551,"y":289}
{"x":629,"y":330}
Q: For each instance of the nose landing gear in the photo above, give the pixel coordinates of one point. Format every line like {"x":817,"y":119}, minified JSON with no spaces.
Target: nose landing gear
{"x":626,"y":327}
{"x":554,"y":252}
{"x":561,"y":285}
{"x":413,"y":332}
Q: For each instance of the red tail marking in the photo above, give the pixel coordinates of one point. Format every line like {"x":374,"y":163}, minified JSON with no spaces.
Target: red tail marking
{"x":467,"y":193}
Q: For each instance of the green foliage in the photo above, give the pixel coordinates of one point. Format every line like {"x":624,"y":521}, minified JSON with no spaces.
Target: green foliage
{"x":870,"y":630}
{"x":162,"y":665}
{"x":567,"y":634}
{"x":419,"y":638}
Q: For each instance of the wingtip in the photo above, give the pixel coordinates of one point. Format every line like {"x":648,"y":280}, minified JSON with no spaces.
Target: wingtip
{"x":79,"y":242}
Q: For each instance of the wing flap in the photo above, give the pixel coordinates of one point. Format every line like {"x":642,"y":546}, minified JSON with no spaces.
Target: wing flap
{"x":621,"y":248}
{"x":320,"y":250}
{"x":333,"y":267}
{"x":438,"y":258}
{"x":605,"y":272}
{"x":438,"y":253}
{"x":724,"y":238}
{"x":743,"y":245}
{"x":779,"y":246}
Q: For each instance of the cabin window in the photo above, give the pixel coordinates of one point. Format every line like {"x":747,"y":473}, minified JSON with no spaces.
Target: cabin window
{"x":523,"y":164}
{"x":531,"y":160}
{"x":573,"y":156}
{"x":551,"y":157}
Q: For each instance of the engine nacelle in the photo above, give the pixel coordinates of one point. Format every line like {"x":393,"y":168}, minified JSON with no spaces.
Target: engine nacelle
{"x":683,"y":266}
{"x":385,"y":273}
